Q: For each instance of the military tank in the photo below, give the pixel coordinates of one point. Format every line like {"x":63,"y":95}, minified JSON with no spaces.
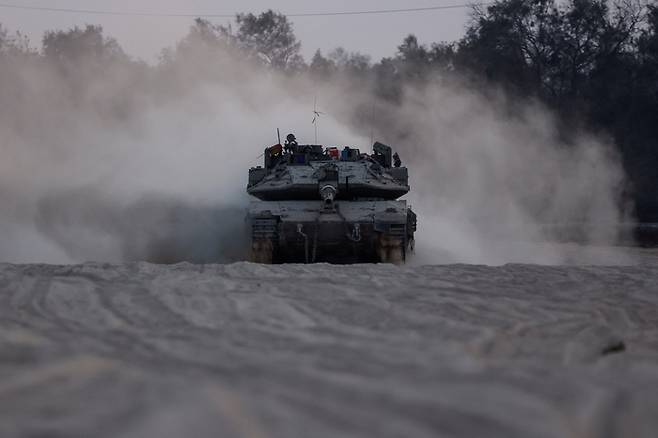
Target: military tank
{"x":325,"y":204}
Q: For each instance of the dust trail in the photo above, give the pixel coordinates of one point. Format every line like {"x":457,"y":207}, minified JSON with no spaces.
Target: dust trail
{"x":128,"y":162}
{"x":494,"y":180}
{"x":96,"y":171}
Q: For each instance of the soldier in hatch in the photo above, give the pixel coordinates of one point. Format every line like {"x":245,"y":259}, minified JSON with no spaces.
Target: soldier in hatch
{"x":291,"y":144}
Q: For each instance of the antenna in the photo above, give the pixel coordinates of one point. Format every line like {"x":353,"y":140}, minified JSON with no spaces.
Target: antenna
{"x":316,"y":117}
{"x":278,"y":135}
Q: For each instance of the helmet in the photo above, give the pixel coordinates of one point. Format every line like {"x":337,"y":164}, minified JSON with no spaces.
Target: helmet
{"x":290,"y":138}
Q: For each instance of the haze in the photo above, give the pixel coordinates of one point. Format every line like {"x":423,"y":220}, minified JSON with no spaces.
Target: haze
{"x":108,"y":159}
{"x":144,"y":37}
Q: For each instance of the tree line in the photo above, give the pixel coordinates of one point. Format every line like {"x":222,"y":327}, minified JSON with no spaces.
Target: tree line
{"x":594,"y":63}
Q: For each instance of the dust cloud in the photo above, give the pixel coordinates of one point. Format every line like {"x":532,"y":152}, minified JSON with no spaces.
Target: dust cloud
{"x":116,"y":163}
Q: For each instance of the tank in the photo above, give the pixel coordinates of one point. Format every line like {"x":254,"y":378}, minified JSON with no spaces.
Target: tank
{"x":329,"y":204}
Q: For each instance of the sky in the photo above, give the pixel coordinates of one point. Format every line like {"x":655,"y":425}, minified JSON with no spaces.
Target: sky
{"x":144,"y":37}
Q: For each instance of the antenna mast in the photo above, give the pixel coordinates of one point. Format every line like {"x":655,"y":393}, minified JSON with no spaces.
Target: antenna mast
{"x":316,"y":117}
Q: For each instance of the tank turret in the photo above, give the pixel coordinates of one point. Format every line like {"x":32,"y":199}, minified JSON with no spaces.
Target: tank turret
{"x":329,"y":204}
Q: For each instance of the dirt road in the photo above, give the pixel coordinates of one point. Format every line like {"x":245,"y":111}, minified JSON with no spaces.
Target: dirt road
{"x":244,"y":350}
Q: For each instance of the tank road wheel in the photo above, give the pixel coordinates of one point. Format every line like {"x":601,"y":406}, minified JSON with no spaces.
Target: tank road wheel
{"x":262,"y":251}
{"x":391,"y":250}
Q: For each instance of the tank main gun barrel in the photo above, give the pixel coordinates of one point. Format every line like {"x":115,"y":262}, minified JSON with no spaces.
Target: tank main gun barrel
{"x":328,"y":184}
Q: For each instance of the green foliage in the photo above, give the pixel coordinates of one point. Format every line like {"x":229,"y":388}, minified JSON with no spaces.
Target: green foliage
{"x":321,"y":67}
{"x":594,"y":62}
{"x":269,"y":38}
{"x":548,"y":48}
{"x":82,"y":44}
{"x":14,"y":44}
{"x":353,"y":63}
{"x":648,"y":43}
{"x":204,"y":35}
{"x":204,"y":44}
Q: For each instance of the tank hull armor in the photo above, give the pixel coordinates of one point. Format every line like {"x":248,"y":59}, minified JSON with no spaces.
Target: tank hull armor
{"x":353,"y":232}
{"x":315,"y":207}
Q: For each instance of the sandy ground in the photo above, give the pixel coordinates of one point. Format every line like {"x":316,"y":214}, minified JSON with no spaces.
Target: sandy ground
{"x":244,"y":350}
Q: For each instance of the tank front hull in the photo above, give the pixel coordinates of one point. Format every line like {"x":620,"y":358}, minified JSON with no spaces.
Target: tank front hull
{"x":347,"y":232}
{"x":310,"y":192}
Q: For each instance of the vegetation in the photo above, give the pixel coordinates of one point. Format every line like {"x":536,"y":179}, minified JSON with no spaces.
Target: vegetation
{"x":593,"y":62}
